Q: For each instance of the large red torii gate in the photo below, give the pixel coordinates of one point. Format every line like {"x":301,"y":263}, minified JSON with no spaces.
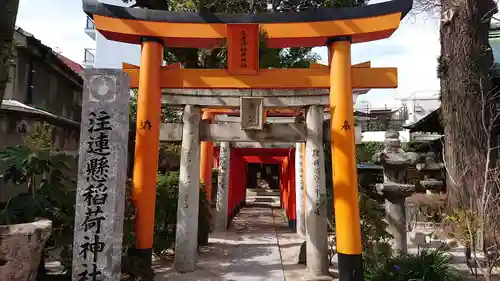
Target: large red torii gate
{"x":336,"y":28}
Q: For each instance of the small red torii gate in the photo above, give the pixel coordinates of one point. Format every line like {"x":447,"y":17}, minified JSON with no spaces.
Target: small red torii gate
{"x":241,"y":156}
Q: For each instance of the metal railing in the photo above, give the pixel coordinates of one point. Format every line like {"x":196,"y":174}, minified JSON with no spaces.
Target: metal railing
{"x":90,"y":24}
{"x":89,"y":56}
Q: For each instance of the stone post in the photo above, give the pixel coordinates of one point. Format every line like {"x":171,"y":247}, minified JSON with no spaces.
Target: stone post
{"x":102,"y":172}
{"x":299,"y":192}
{"x":316,"y":224}
{"x":186,"y":241}
{"x":223,"y":187}
{"x":395,"y":162}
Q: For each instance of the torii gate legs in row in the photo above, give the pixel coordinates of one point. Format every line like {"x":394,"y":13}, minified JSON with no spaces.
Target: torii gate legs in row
{"x":317,"y":250}
{"x":241,"y":32}
{"x":343,"y":152}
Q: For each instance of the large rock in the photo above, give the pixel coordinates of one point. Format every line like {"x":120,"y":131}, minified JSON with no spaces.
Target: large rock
{"x":21,"y":247}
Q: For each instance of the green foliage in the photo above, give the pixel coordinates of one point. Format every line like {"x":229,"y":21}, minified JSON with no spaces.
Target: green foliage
{"x":41,"y":137}
{"x":168,"y":114}
{"x":215,"y":174}
{"x":167,"y":194}
{"x":376,"y":125}
{"x":465,"y":225}
{"x":169,"y":157}
{"x":217,"y":57}
{"x":51,"y":192}
{"x":374,"y":236}
{"x":43,"y":172}
{"x":366,"y":150}
{"x":288,"y":58}
{"x":427,"y":265}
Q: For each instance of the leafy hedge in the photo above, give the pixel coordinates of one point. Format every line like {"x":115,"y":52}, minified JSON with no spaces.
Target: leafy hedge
{"x":427,"y":265}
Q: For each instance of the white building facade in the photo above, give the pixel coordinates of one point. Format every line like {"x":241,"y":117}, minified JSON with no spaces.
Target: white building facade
{"x":106,"y":53}
{"x":420,"y":104}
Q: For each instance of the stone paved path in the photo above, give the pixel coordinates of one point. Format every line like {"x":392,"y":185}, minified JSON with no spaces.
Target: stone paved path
{"x":247,"y":252}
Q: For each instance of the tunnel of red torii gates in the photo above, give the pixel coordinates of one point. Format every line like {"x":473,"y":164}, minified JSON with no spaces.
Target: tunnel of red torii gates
{"x":241,"y":157}
{"x":243,"y":84}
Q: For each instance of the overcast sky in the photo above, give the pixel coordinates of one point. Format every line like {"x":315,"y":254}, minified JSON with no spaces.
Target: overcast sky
{"x":413,"y":48}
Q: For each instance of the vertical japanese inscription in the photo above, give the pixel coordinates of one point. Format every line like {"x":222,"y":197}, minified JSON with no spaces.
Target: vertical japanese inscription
{"x":101,"y":176}
{"x":243,"y":49}
{"x":316,"y":168}
{"x":95,"y":194}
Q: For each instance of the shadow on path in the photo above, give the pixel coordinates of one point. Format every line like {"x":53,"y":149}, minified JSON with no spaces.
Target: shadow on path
{"x":248,"y":251}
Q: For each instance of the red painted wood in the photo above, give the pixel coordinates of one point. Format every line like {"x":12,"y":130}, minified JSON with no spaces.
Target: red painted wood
{"x":291,"y":173}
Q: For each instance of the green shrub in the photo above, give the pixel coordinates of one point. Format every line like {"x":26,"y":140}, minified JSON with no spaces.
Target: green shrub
{"x":167,"y":194}
{"x":427,"y":265}
{"x":50,"y":194}
{"x":374,"y":235}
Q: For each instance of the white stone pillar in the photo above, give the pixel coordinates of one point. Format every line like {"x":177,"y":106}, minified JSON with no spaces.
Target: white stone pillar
{"x":316,"y":224}
{"x":186,"y":241}
{"x":223,"y":187}
{"x":299,"y":192}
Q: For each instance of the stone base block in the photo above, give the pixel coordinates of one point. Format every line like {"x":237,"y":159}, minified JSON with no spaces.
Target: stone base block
{"x":318,"y":278}
{"x":292,"y":224}
{"x":21,"y":248}
{"x":303,"y":253}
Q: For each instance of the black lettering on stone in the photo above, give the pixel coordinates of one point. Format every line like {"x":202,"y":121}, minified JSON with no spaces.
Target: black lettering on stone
{"x":99,"y":123}
{"x":95,"y":194}
{"x":91,"y":248}
{"x":93,"y":219}
{"x":98,"y":167}
{"x":93,"y":275}
{"x":99,"y":144}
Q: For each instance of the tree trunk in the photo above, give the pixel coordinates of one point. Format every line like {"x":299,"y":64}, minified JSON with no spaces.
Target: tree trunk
{"x":8,"y":15}
{"x":464,"y":69}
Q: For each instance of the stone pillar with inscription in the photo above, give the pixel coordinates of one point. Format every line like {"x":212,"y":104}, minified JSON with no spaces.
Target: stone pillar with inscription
{"x":299,"y":192}
{"x":316,"y":224}
{"x":102,"y":172}
{"x":186,"y":241}
{"x":223,"y":187}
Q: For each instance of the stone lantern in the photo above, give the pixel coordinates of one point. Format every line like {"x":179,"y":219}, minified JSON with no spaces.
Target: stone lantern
{"x":395,"y":162}
{"x":432,"y":171}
